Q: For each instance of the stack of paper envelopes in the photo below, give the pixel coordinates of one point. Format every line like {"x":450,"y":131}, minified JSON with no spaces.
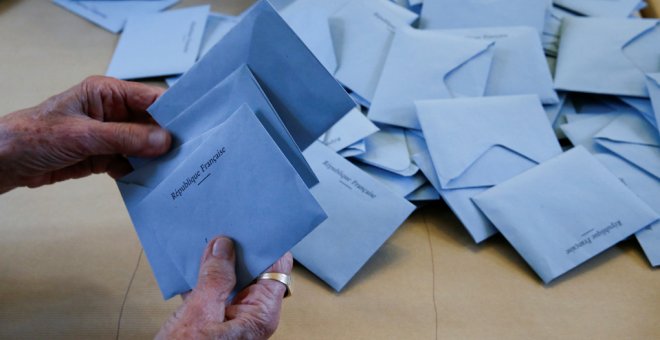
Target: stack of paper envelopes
{"x":310,"y":126}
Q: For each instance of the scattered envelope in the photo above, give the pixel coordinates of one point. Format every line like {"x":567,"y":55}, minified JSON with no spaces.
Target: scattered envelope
{"x":653,"y":85}
{"x":401,"y":185}
{"x":352,"y":128}
{"x":217,"y":26}
{"x":475,"y":143}
{"x":219,"y":103}
{"x":308,"y":99}
{"x":519,"y":65}
{"x":602,"y":8}
{"x":354,"y":149}
{"x":647,"y":188}
{"x":362,"y":215}
{"x":483,"y":13}
{"x":428,"y":65}
{"x":266,"y":210}
{"x":363,"y":31}
{"x":556,"y":227}
{"x":607,"y":56}
{"x":425,"y":193}
{"x":309,"y":19}
{"x":633,"y":139}
{"x":387,"y":149}
{"x":582,"y":131}
{"x":159,"y":44}
{"x":112,"y":15}
{"x":643,"y":106}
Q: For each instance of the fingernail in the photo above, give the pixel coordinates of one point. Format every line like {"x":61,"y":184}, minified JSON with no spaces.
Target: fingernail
{"x":157,"y":138}
{"x":223,"y":248}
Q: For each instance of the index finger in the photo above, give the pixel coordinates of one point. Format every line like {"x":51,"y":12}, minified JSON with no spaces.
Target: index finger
{"x":112,"y":100}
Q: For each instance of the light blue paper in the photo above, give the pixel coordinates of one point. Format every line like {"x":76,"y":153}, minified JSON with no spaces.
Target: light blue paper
{"x":602,"y":8}
{"x":564,"y":212}
{"x":476,"y":143}
{"x":401,"y":185}
{"x":445,"y":14}
{"x":653,"y":86}
{"x":352,"y":128}
{"x":362,"y":215}
{"x":607,"y":56}
{"x":223,"y":188}
{"x":354,"y":149}
{"x":633,"y":139}
{"x":425,"y":193}
{"x":306,"y":96}
{"x":159,"y":44}
{"x":428,"y":65}
{"x":363,"y":31}
{"x":387,"y":149}
{"x":519,"y":65}
{"x":643,"y":107}
{"x":112,"y":15}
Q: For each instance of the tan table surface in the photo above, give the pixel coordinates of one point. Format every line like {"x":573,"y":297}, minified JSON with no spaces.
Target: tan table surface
{"x":69,"y":258}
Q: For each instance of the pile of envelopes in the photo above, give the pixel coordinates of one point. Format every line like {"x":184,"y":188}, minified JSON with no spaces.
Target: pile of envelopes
{"x":310,"y":126}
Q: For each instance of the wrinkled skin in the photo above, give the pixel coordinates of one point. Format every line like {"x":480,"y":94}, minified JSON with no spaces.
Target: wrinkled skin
{"x":253,"y":314}
{"x":92,"y":128}
{"x":88,"y":129}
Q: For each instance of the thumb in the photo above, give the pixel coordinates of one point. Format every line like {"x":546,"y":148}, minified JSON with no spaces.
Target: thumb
{"x":131,"y":139}
{"x":217,"y":273}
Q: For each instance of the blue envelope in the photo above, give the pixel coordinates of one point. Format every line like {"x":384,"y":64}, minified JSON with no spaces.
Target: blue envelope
{"x":217,"y":26}
{"x":387,"y":149}
{"x":239,"y":88}
{"x":112,"y":15}
{"x":633,"y":139}
{"x":622,"y":49}
{"x":647,"y":188}
{"x":308,"y":99}
{"x":425,"y":193}
{"x":602,"y":8}
{"x":581,"y":131}
{"x":362,"y":215}
{"x":519,"y":65}
{"x":352,"y":128}
{"x":428,"y":65}
{"x":354,"y":149}
{"x":643,"y":106}
{"x":483,"y":13}
{"x":476,"y":143}
{"x":159,"y":44}
{"x":309,"y":19}
{"x":363,"y":31}
{"x":653,"y":86}
{"x":401,"y":185}
{"x":223,"y":187}
{"x":564,"y":212}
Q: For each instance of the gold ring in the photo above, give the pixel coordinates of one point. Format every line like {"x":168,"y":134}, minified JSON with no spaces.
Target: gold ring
{"x":285,"y":279}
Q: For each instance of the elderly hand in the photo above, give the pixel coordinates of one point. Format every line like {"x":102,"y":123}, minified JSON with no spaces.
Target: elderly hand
{"x":253,"y":314}
{"x":88,"y":129}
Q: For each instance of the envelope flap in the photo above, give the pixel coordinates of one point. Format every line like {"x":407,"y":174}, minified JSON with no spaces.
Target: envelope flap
{"x":654,"y":78}
{"x":630,"y":128}
{"x":463,"y":132}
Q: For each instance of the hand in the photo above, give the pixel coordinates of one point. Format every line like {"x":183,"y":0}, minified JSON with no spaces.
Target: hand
{"x":253,"y":314}
{"x":86,"y":130}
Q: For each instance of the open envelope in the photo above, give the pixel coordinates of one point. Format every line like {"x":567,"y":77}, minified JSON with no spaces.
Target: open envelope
{"x":159,"y":44}
{"x":602,"y":8}
{"x":363,"y":31}
{"x":475,"y":143}
{"x":428,"y":65}
{"x":265,"y":210}
{"x":401,"y":185}
{"x":308,"y":99}
{"x":519,"y":65}
{"x":653,"y":86}
{"x":633,"y":139}
{"x":112,"y":15}
{"x":607,"y":56}
{"x":387,"y":149}
{"x":564,"y":212}
{"x":239,"y":88}
{"x":483,"y":13}
{"x":362,"y":215}
{"x":643,"y":106}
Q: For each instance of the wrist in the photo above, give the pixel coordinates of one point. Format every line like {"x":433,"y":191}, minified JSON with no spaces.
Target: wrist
{"x":7,"y":145}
